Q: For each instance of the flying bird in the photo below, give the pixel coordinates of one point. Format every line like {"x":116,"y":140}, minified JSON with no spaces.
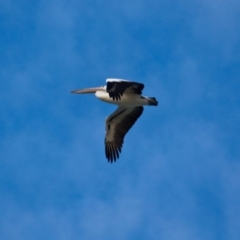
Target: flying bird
{"x":128,"y":96}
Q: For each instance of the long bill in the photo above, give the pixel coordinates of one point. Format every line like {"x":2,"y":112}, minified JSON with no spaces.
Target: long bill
{"x":87,"y":90}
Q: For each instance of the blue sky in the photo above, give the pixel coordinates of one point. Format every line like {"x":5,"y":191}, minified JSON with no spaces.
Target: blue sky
{"x":178,"y":175}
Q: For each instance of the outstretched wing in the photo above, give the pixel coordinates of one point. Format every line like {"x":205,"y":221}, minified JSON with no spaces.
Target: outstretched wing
{"x":117,"y":126}
{"x":116,"y":87}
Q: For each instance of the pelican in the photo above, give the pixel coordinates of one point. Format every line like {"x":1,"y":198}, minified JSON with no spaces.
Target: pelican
{"x":127,"y":95}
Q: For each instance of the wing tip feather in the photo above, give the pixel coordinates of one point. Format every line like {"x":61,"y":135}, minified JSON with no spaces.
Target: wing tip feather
{"x":112,"y":152}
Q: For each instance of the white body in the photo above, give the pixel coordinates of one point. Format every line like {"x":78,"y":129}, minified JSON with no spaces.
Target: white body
{"x":127,"y":100}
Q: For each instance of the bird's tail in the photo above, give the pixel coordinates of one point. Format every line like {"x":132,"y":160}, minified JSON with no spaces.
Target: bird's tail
{"x":152,"y":101}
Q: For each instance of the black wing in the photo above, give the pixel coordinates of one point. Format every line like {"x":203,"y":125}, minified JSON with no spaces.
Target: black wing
{"x":117,"y":126}
{"x":117,"y":88}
